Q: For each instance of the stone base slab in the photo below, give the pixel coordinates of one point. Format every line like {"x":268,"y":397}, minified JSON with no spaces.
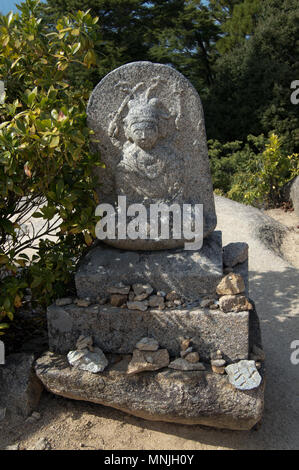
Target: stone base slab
{"x":190,"y":398}
{"x":117,"y":330}
{"x":189,"y":273}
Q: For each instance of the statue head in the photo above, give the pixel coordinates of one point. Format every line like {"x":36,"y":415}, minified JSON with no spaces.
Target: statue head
{"x":143,"y":123}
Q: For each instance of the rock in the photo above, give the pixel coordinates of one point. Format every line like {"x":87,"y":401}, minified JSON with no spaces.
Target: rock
{"x":193,"y":272}
{"x":156,"y":301}
{"x":191,"y":397}
{"x":294,"y":195}
{"x":141,"y":289}
{"x":218,"y":370}
{"x":186,"y":352}
{"x":103,"y":300}
{"x":143,"y":361}
{"x":228,"y":331}
{"x":119,"y":288}
{"x":235,"y":253}
{"x":231,"y":284}
{"x":177,"y":302}
{"x":176,"y":142}
{"x":86,"y":360}
{"x":192,"y":357}
{"x":141,"y":297}
{"x":20,"y":389}
{"x":35,"y":415}
{"x":234,"y":303}
{"x":117,"y":300}
{"x":13,"y":447}
{"x":169,"y":304}
{"x":2,"y":414}
{"x":214,"y":306}
{"x":142,"y":306}
{"x":147,"y":344}
{"x":243,"y":375}
{"x":63,"y":301}
{"x":185,"y":344}
{"x":42,"y":444}
{"x":206,"y":303}
{"x":182,"y":364}
{"x":218,"y":362}
{"x":161,"y":293}
{"x":83,"y":302}
{"x":84,"y":342}
{"x":171,"y":296}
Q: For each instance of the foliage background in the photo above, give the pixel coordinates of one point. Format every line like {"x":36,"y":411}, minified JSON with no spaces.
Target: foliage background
{"x":240,"y":55}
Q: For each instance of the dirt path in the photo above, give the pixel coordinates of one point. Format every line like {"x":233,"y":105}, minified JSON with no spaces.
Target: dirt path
{"x":274,"y":285}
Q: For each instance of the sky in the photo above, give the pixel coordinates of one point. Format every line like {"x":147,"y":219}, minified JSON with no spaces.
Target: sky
{"x":7,"y":5}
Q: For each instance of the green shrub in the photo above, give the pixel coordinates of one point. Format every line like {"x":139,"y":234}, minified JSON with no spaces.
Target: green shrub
{"x":254,"y":172}
{"x":45,"y":161}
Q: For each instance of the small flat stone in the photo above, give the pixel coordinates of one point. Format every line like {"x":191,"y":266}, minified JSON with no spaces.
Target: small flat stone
{"x":147,"y":344}
{"x":63,"y":301}
{"x":182,"y":364}
{"x":171,"y":296}
{"x":117,"y":300}
{"x":185,"y":344}
{"x":142,"y":289}
{"x":186,"y":352}
{"x":135,"y":305}
{"x":234,"y":303}
{"x":146,"y":361}
{"x":192,"y":357}
{"x":140,"y":297}
{"x":235,"y":253}
{"x":243,"y":375}
{"x":218,"y":370}
{"x":94,"y":362}
{"x":82,"y":302}
{"x":36,"y":415}
{"x":119,"y":288}
{"x":231,"y":284}
{"x":218,"y":362}
{"x":161,"y":293}
{"x":156,"y":301}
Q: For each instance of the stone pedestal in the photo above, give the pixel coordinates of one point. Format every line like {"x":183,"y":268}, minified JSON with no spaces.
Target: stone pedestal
{"x":190,"y":273}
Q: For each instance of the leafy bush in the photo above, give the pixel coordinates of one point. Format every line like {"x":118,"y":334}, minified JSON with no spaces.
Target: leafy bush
{"x":45,"y":162}
{"x":254,"y":172}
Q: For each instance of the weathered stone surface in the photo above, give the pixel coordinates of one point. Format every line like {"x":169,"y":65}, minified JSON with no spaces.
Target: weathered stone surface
{"x":294,"y":195}
{"x":192,"y":357}
{"x":243,"y":375}
{"x":218,"y":369}
{"x":183,"y":364}
{"x":231,"y":284}
{"x":138,"y":305}
{"x":218,"y":362}
{"x":149,"y":127}
{"x":156,"y":301}
{"x":189,"y":273}
{"x":64,"y":301}
{"x":91,"y":361}
{"x":234,"y":303}
{"x":118,"y":299}
{"x":235,"y":253}
{"x":117,"y":330}
{"x":186,"y":352}
{"x":147,"y":344}
{"x":83,"y":302}
{"x":195,"y":397}
{"x":20,"y":389}
{"x":119,"y":288}
{"x":148,"y":360}
{"x":140,"y":289}
{"x":84,"y":342}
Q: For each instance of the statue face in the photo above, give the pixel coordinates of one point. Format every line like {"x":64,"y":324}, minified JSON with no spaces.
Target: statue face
{"x":145,"y":134}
